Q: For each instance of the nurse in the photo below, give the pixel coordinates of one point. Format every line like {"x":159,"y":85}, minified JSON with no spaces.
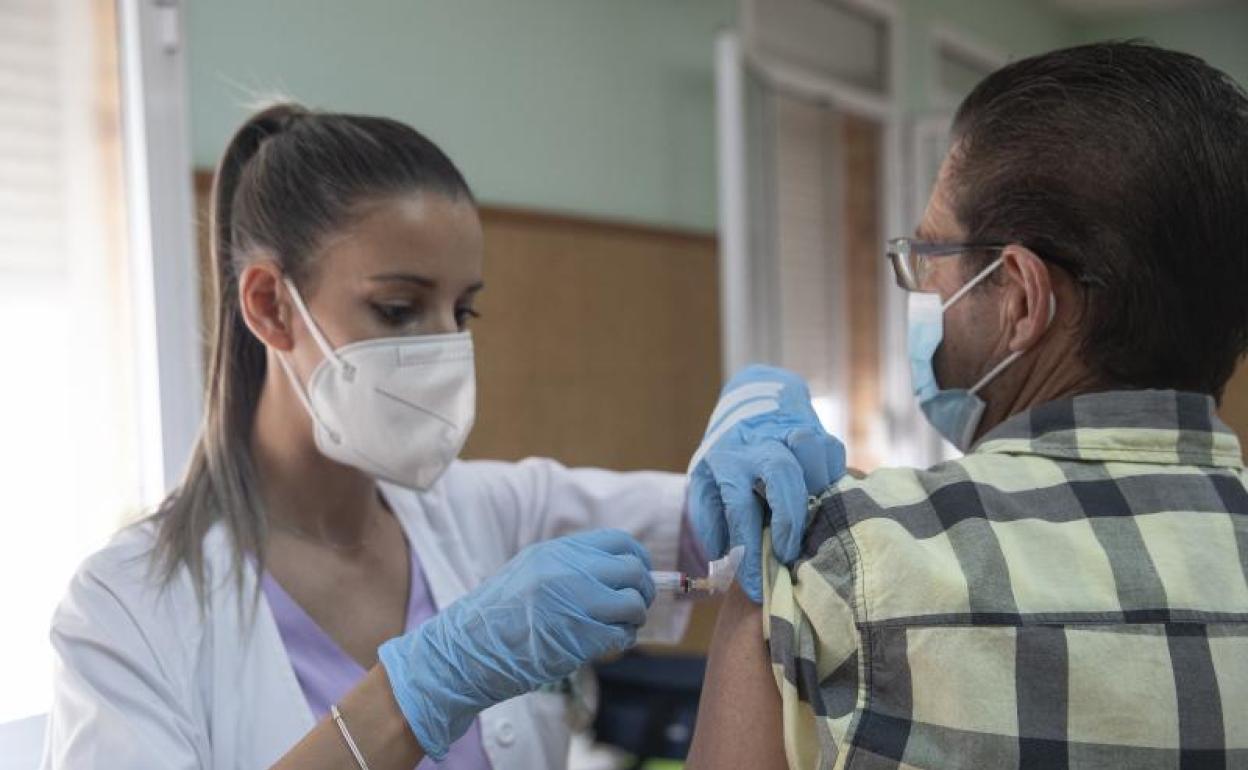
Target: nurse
{"x":329,"y":586}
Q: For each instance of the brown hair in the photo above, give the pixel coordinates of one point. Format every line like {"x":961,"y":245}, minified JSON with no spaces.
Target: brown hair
{"x":1127,"y":165}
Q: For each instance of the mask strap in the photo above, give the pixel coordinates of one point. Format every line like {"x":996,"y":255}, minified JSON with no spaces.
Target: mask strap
{"x":971,"y":284}
{"x":303,"y":397}
{"x":992,"y":375}
{"x":317,"y":335}
{"x":1011,"y":358}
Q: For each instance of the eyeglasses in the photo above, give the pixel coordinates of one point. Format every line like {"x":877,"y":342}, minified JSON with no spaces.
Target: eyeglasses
{"x":912,"y":260}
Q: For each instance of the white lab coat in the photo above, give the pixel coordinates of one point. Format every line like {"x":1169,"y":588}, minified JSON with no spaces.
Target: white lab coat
{"x":143,"y":680}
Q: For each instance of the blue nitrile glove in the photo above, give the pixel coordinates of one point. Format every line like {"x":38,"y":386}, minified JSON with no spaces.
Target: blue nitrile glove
{"x":554,"y":607}
{"x":763,"y":429}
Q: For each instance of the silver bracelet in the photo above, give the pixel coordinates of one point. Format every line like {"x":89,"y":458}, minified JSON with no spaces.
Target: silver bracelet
{"x":346,"y":736}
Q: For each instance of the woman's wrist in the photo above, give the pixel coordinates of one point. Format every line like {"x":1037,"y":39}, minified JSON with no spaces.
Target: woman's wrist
{"x":377,"y":723}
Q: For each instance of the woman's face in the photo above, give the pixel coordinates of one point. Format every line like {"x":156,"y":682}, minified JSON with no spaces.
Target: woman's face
{"x":407,"y":266}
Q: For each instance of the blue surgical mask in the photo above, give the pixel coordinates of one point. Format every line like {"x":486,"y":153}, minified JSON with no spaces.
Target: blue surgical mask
{"x":955,"y":413}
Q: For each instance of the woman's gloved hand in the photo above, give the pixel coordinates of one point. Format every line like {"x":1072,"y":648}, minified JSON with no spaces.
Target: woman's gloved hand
{"x":554,"y":607}
{"x":763,"y":429}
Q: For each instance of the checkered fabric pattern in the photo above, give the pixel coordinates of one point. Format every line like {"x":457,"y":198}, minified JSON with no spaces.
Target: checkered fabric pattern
{"x":1072,"y":594}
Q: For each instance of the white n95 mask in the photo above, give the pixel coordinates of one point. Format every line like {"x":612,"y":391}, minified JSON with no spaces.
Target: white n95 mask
{"x":955,"y":413}
{"x":397,"y":408}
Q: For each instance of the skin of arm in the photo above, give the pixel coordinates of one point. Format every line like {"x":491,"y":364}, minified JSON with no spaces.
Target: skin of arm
{"x":739,"y":720}
{"x":375,"y":722}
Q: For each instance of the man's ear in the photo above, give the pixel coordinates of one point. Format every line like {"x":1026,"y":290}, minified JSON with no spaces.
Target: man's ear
{"x":1029,"y":294}
{"x":265,"y":308}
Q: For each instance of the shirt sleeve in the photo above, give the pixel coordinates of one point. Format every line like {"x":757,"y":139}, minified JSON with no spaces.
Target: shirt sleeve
{"x":538,"y":499}
{"x":114,"y":704}
{"x":809,"y":623}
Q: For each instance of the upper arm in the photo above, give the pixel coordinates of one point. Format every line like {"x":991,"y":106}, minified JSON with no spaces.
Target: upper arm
{"x":739,"y":716}
{"x":756,"y":708}
{"x":112,"y":696}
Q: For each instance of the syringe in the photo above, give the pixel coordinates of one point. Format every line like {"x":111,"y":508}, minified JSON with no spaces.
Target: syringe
{"x":719,"y":576}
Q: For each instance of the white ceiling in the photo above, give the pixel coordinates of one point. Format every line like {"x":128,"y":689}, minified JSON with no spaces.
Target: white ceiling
{"x":1099,"y":7}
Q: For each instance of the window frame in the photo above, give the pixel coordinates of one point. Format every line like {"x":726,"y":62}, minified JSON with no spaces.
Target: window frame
{"x":741,"y":314}
{"x":160,"y":213}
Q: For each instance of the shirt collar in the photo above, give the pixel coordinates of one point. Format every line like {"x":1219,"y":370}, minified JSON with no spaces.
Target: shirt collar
{"x":1146,"y":426}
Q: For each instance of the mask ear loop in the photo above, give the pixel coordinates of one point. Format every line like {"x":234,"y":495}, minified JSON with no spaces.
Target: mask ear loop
{"x":1011,"y":358}
{"x":303,"y":398}
{"x":348,"y":371}
{"x":971,"y":284}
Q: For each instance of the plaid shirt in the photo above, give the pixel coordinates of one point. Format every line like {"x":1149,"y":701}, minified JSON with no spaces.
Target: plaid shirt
{"x":1073,"y":593}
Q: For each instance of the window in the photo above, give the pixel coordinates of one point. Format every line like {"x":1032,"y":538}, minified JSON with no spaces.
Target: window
{"x":69,"y":463}
{"x":837,"y":40}
{"x":826,"y":205}
{"x":807,"y":143}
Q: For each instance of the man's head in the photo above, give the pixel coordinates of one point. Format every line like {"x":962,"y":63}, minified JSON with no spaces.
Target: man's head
{"x":1118,"y":174}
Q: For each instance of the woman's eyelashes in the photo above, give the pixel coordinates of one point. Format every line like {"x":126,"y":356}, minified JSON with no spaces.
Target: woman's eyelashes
{"x":401,"y":314}
{"x":396,"y":313}
{"x":463,"y":315}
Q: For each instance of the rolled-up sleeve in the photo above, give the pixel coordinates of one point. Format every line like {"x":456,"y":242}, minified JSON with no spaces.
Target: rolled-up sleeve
{"x":809,"y":623}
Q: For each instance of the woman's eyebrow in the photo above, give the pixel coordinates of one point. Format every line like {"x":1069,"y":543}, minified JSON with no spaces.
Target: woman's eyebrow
{"x":419,"y":280}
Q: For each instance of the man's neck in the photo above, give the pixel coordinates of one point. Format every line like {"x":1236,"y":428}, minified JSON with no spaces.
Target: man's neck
{"x":1049,"y":375}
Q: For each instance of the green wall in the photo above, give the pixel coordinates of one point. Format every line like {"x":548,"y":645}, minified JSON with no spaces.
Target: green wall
{"x":1218,"y":34}
{"x":596,"y":107}
{"x":1013,"y":28}
{"x":601,"y":107}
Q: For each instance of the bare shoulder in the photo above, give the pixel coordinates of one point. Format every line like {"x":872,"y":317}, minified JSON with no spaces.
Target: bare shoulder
{"x":739,"y":719}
